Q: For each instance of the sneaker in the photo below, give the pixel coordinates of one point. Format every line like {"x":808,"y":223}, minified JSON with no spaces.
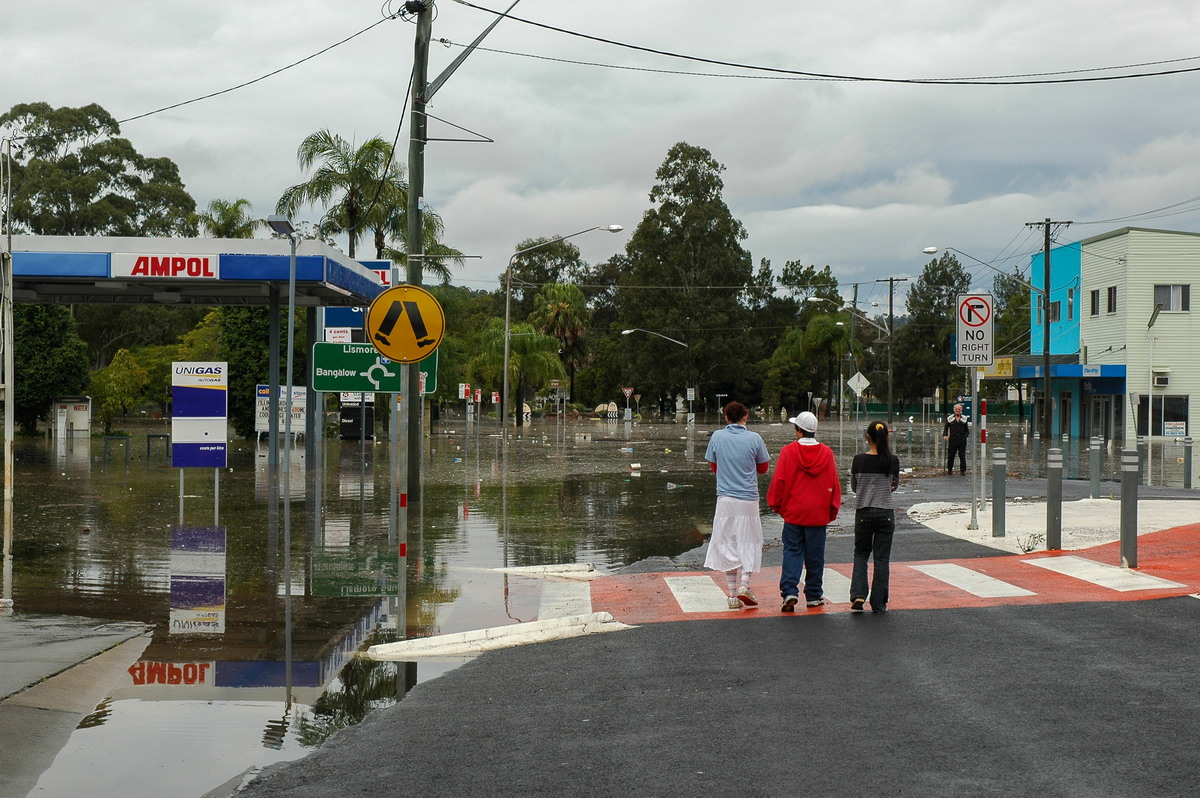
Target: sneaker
{"x":747,"y":597}
{"x":816,"y":602}
{"x":856,"y":605}
{"x":879,"y":610}
{"x":789,"y":604}
{"x":734,"y":603}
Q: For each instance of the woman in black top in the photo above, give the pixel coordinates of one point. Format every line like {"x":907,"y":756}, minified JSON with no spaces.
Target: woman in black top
{"x":873,"y":476}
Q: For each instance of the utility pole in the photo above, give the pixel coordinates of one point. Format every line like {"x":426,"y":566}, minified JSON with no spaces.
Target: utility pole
{"x":1047,"y":403}
{"x":891,"y":281}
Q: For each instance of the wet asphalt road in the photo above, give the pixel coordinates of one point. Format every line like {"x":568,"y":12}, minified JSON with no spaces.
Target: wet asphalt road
{"x":1088,"y":699}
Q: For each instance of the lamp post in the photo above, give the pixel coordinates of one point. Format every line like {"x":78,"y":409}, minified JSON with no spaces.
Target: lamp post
{"x":283,"y":226}
{"x":504,"y":399}
{"x":672,"y":340}
{"x":1150,"y":396}
{"x":1047,"y":405}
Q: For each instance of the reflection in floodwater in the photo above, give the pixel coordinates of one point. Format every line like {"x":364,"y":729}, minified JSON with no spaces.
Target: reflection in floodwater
{"x":247,"y":667}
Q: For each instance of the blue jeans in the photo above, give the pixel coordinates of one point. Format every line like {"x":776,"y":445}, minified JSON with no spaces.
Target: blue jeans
{"x":873,"y":528}
{"x":803,"y":550}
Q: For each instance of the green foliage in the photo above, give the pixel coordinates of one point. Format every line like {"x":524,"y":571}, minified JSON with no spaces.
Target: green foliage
{"x":547,"y":261}
{"x":921,"y":353}
{"x":50,"y":358}
{"x":560,"y":310}
{"x":225,"y":219}
{"x":244,"y":333}
{"x":73,"y":175}
{"x":156,"y":362}
{"x":107,"y":327}
{"x":116,"y":387}
{"x":681,"y":250}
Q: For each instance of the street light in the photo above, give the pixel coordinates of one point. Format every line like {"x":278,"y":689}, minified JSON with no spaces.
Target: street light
{"x":1047,"y":405}
{"x":672,"y":340}
{"x":283,"y":226}
{"x":612,"y":228}
{"x":885,"y":330}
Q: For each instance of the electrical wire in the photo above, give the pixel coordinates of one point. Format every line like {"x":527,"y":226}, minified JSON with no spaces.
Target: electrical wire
{"x":999,"y":80}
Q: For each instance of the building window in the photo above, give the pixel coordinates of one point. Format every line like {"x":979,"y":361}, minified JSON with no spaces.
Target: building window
{"x":1095,"y":298}
{"x":1173,"y":297}
{"x":1070,"y":304}
{"x":1170,"y":416}
{"x":1055,"y":312}
{"x":1112,"y":299}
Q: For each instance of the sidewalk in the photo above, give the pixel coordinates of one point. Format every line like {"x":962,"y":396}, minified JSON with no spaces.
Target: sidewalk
{"x":54,"y":671}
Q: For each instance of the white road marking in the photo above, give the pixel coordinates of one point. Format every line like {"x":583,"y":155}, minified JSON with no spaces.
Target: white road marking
{"x":1109,"y":576}
{"x":836,"y":587}
{"x":973,"y":582}
{"x":699,"y":594}
{"x":564,"y":599}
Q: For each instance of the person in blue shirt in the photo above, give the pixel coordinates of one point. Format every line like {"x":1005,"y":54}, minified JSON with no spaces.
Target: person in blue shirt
{"x":737,"y":456}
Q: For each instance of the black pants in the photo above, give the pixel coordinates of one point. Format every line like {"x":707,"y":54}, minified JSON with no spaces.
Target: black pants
{"x":958,"y":447}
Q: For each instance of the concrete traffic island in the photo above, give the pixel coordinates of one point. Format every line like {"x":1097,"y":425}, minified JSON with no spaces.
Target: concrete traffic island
{"x":478,"y":641}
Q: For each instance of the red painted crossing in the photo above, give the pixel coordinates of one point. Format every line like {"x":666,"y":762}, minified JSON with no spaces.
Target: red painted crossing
{"x":1172,"y":554}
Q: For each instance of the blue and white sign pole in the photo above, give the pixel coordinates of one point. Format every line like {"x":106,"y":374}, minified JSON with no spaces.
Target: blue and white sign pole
{"x":199,"y":423}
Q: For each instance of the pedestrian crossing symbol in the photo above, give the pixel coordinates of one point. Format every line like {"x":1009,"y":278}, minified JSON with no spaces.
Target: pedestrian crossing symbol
{"x":405,"y":324}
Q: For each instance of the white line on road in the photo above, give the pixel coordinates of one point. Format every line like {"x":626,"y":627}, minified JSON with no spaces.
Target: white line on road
{"x":973,"y":582}
{"x":563,"y":599}
{"x":1109,"y":576}
{"x":698,"y":594}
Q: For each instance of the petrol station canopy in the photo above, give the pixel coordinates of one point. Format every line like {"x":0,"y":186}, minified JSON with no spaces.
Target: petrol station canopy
{"x":185,"y":271}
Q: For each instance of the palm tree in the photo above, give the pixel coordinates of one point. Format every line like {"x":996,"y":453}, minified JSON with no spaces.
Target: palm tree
{"x":560,"y":310}
{"x":359,"y":182}
{"x":225,"y":219}
{"x":533,"y":360}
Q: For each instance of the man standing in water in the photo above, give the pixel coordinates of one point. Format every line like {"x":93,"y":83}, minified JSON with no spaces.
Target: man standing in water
{"x":954,"y":433}
{"x":737,"y":456}
{"x":807,"y":493}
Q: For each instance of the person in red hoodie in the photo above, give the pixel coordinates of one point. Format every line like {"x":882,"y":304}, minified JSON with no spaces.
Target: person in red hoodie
{"x":807,"y":493}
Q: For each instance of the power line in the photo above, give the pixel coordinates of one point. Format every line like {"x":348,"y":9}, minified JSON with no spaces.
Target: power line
{"x":998,"y":80}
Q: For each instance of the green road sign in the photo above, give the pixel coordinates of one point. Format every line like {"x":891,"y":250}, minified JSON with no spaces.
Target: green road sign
{"x":354,"y":368}
{"x":359,"y":368}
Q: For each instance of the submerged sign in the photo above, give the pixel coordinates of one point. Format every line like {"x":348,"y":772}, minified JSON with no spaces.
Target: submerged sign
{"x":199,"y":403}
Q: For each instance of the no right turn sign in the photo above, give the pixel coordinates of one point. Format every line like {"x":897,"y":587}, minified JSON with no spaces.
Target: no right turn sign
{"x":975,"y":327}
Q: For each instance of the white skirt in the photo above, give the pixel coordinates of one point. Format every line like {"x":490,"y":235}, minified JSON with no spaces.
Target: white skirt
{"x":737,"y":538}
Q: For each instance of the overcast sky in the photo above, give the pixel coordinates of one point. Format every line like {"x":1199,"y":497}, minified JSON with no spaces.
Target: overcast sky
{"x":859,"y":176}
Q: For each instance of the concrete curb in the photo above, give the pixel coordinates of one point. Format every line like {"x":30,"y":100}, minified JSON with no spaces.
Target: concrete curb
{"x":497,"y":637}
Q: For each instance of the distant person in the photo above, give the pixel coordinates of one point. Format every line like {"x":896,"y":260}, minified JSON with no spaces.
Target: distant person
{"x":874,"y":474}
{"x":955,"y":434}
{"x":807,"y":493}
{"x":737,"y":456}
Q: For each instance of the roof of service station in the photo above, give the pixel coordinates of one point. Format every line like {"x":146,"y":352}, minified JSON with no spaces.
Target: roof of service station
{"x":189,"y":271}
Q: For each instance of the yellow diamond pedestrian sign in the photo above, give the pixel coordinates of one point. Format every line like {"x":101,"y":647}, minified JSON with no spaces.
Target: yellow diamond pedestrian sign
{"x":405,"y":323}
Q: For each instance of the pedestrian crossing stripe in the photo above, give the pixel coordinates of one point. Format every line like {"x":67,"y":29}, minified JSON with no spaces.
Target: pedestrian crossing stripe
{"x":698,"y":594}
{"x":563,"y":599}
{"x":973,"y":582}
{"x":1109,"y":576}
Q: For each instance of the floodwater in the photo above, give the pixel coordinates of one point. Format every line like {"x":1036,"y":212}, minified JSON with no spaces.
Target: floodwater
{"x":258,"y":610}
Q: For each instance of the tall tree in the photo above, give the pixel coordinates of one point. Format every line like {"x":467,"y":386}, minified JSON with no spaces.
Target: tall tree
{"x":226,"y":219}
{"x":560,"y":310}
{"x":117,"y":386}
{"x":74,"y":175}
{"x":687,"y":279}
{"x":107,"y":328}
{"x":547,"y":261}
{"x":1011,"y":315}
{"x":351,"y":181}
{"x":51,"y":361}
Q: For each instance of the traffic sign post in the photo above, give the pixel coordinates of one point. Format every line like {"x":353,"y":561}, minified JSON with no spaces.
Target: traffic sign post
{"x":974,"y":330}
{"x":406,"y":324}
{"x":353,"y":368}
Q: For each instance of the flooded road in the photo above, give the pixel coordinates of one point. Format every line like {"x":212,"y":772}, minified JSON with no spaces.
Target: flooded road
{"x":246,"y":667}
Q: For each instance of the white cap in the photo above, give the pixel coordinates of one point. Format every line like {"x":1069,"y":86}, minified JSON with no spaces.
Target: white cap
{"x":805,"y":421}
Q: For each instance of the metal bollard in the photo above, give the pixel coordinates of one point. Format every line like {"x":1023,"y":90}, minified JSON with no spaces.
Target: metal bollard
{"x":1129,"y":494}
{"x":1008,"y":441}
{"x":1036,"y":448}
{"x":1187,"y":463}
{"x":1097,"y":459}
{"x":1054,"y":468}
{"x":999,"y":467}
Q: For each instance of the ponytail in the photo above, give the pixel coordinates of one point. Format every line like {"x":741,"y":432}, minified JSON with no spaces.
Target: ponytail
{"x":877,"y":433}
